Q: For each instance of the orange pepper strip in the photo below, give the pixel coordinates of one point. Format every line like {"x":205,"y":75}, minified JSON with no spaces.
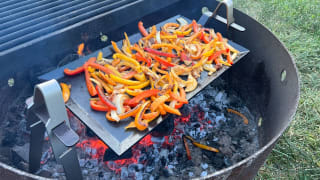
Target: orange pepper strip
{"x":219,"y":37}
{"x":80,"y":49}
{"x":131,"y":125}
{"x":138,"y":119}
{"x":199,"y":54}
{"x":138,"y":49}
{"x":167,"y":25}
{"x":152,"y":33}
{"x":157,"y":46}
{"x":65,"y":91}
{"x":150,"y":116}
{"x":142,"y":29}
{"x":104,"y":85}
{"x":245,"y":119}
{"x":187,"y":147}
{"x":92,"y":91}
{"x":194,"y":36}
{"x":195,"y":26}
{"x":115,"y":62}
{"x":178,"y":98}
{"x":115,"y":47}
{"x":147,"y":93}
{"x":171,"y":110}
{"x":125,"y":115}
{"x":106,"y":78}
{"x":182,"y":95}
{"x":158,"y":101}
{"x":162,"y":111}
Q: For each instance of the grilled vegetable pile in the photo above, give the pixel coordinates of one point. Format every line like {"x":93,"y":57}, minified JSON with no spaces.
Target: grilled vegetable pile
{"x":151,"y":77}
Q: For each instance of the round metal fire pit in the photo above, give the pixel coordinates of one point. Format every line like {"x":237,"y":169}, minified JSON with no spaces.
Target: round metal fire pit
{"x":267,"y":78}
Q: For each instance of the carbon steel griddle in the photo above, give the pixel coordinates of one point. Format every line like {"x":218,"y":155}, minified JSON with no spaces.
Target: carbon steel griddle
{"x":114,"y":134}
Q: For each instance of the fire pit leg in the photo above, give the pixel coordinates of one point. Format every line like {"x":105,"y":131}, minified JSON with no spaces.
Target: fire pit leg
{"x":47,"y":112}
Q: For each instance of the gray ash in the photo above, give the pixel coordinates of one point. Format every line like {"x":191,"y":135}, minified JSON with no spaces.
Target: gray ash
{"x":162,"y":155}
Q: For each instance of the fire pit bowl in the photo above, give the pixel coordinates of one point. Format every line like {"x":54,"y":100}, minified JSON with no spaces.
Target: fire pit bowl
{"x":266,"y":78}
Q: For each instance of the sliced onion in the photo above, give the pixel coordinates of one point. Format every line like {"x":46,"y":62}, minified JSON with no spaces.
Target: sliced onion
{"x":158,"y":37}
{"x":118,"y":102}
{"x":114,"y":115}
{"x":182,"y":21}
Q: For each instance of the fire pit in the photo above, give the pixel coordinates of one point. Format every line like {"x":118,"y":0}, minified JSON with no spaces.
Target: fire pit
{"x":260,"y":86}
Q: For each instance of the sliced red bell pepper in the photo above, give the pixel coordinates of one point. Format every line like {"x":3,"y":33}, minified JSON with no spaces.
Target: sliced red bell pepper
{"x":104,"y":99}
{"x":138,"y":119}
{"x":95,"y":105}
{"x":184,"y":57}
{"x":162,"y":61}
{"x":76,"y":71}
{"x":139,"y":57}
{"x":144,"y":94}
{"x":153,"y":51}
{"x":142,"y":29}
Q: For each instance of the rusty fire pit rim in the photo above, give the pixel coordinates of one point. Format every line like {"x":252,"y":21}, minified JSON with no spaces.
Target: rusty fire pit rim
{"x":227,"y":171}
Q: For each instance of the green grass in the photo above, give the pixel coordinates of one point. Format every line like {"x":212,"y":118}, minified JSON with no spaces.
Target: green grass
{"x":297,"y":24}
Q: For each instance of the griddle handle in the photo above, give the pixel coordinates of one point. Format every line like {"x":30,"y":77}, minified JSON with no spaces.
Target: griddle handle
{"x":229,"y":6}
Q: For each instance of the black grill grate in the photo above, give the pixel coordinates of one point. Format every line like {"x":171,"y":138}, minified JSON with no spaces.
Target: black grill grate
{"x":23,"y":21}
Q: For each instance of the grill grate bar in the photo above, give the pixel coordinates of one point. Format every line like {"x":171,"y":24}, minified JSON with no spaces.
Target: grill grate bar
{"x":56,"y":23}
{"x":24,"y":11}
{"x":45,"y":14}
{"x":19,"y":5}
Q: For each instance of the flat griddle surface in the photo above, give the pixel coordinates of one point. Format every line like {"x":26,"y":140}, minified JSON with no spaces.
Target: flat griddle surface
{"x":114,"y":134}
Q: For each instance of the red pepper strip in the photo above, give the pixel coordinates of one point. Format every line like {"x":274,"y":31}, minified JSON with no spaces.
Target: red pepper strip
{"x":101,"y":68}
{"x":204,"y":38}
{"x":215,"y":56}
{"x":92,"y":91}
{"x":219,"y":37}
{"x":144,"y":94}
{"x":139,"y":57}
{"x":103,"y":98}
{"x":153,"y":51}
{"x":195,"y":26}
{"x":141,"y":125}
{"x":95,"y":105}
{"x":187,"y":147}
{"x":142,"y":29}
{"x":76,"y":71}
{"x":180,"y":99}
{"x":129,"y":75}
{"x":162,"y":61}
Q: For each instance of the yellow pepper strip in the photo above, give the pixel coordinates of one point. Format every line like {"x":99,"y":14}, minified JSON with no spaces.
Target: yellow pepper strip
{"x":209,"y":53}
{"x":113,"y":69}
{"x":178,"y":79}
{"x":140,"y":86}
{"x":168,"y":37}
{"x":205,"y":147}
{"x":128,"y":59}
{"x":151,"y":83}
{"x":130,"y":125}
{"x":115,"y":47}
{"x":124,"y":81}
{"x":158,"y":101}
{"x":171,"y":110}
{"x":224,"y":63}
{"x":133,"y":92}
{"x":106,"y":78}
{"x":100,"y":56}
{"x":232,"y":49}
{"x":140,"y":76}
{"x":202,"y":61}
{"x":245,"y":119}
{"x":128,"y":42}
{"x":184,"y":32}
{"x":65,"y":91}
{"x":157,"y":46}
